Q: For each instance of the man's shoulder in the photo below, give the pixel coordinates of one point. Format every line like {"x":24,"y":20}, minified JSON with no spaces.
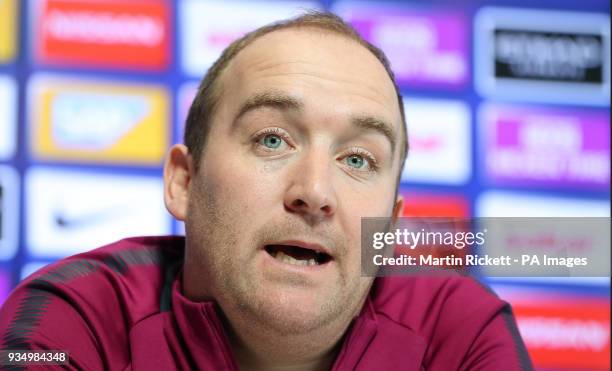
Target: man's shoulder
{"x":89,"y":302}
{"x":125,"y":259}
{"x":426,"y":303}
{"x":452,"y":322}
{"x":127,"y":275}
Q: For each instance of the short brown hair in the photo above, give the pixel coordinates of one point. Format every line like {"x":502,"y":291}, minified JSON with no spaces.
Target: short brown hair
{"x":203,"y":107}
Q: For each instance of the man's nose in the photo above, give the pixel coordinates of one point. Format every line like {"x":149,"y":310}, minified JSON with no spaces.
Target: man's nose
{"x":311,"y":192}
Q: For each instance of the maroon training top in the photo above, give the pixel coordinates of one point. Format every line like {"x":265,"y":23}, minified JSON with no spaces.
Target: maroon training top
{"x":120,"y":307}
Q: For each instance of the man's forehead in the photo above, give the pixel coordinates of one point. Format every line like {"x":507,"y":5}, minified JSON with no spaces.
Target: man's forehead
{"x":310,"y":51}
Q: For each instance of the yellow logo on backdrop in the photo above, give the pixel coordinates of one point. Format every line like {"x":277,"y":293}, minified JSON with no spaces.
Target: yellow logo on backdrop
{"x":8,"y":29}
{"x":101,"y":122}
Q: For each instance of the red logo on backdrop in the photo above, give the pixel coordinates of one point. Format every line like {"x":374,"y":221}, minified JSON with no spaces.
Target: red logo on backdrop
{"x":129,"y":34}
{"x":446,"y":206}
{"x":435,"y":205}
{"x":566,"y":332}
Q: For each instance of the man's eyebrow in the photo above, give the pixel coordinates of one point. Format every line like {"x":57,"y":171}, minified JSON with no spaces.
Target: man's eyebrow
{"x":378,"y":125}
{"x":284,"y":101}
{"x":270,"y":99}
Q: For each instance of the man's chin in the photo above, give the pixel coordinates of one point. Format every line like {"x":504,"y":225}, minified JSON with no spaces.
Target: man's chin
{"x":292,"y":310}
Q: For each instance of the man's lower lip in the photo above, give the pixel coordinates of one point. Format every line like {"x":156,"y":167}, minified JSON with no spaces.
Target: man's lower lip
{"x":296,"y":267}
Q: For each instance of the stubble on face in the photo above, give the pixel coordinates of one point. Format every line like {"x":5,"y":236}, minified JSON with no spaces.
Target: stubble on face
{"x":235,"y":283}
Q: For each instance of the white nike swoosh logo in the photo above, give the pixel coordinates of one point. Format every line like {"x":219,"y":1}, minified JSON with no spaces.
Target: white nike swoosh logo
{"x":84,"y":219}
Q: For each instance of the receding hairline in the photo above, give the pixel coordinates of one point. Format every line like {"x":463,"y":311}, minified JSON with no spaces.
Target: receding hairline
{"x":340,"y":34}
{"x":282,"y":99}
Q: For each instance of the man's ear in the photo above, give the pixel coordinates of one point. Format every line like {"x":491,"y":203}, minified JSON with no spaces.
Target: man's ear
{"x":178,"y":170}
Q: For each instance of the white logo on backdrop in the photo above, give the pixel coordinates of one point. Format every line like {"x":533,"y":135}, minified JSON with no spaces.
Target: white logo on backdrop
{"x":70,"y":212}
{"x":9,"y":211}
{"x":519,"y":205}
{"x":207,"y":27}
{"x":95,"y":121}
{"x":8,"y":106}
{"x":439,"y":140}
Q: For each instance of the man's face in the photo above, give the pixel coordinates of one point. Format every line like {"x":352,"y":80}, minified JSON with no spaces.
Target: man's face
{"x":303,"y":144}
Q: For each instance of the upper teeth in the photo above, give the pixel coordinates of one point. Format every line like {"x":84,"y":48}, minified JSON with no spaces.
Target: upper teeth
{"x":291,"y":260}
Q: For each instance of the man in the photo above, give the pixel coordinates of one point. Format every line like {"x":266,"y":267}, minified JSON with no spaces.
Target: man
{"x":297,"y":132}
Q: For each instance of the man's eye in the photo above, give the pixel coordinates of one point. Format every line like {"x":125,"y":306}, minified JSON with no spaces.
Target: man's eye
{"x":271,"y":141}
{"x":356,"y":161}
{"x":360,"y":160}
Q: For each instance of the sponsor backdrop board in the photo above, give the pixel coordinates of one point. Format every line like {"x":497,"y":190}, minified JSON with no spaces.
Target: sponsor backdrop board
{"x":427,"y":46}
{"x":548,"y":147}
{"x":69,"y":212}
{"x":99,"y":121}
{"x":185,"y":96}
{"x":429,"y":204}
{"x":206,"y":27}
{"x":543,"y":55}
{"x":507,"y":109}
{"x":106,"y":34}
{"x":561,"y":329}
{"x":8,"y":117}
{"x":9,"y":212}
{"x":8,"y":30}
{"x":515,"y":204}
{"x":440,"y":143}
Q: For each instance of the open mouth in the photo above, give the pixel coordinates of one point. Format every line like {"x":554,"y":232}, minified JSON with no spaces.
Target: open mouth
{"x":296,"y":255}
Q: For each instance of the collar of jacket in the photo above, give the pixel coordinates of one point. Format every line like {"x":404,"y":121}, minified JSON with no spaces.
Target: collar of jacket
{"x":373,"y":341}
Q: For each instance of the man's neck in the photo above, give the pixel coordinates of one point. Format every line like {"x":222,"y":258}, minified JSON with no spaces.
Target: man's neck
{"x":261,"y":349}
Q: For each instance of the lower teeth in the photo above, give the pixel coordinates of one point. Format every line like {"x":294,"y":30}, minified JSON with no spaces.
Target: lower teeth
{"x":281,"y":256}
